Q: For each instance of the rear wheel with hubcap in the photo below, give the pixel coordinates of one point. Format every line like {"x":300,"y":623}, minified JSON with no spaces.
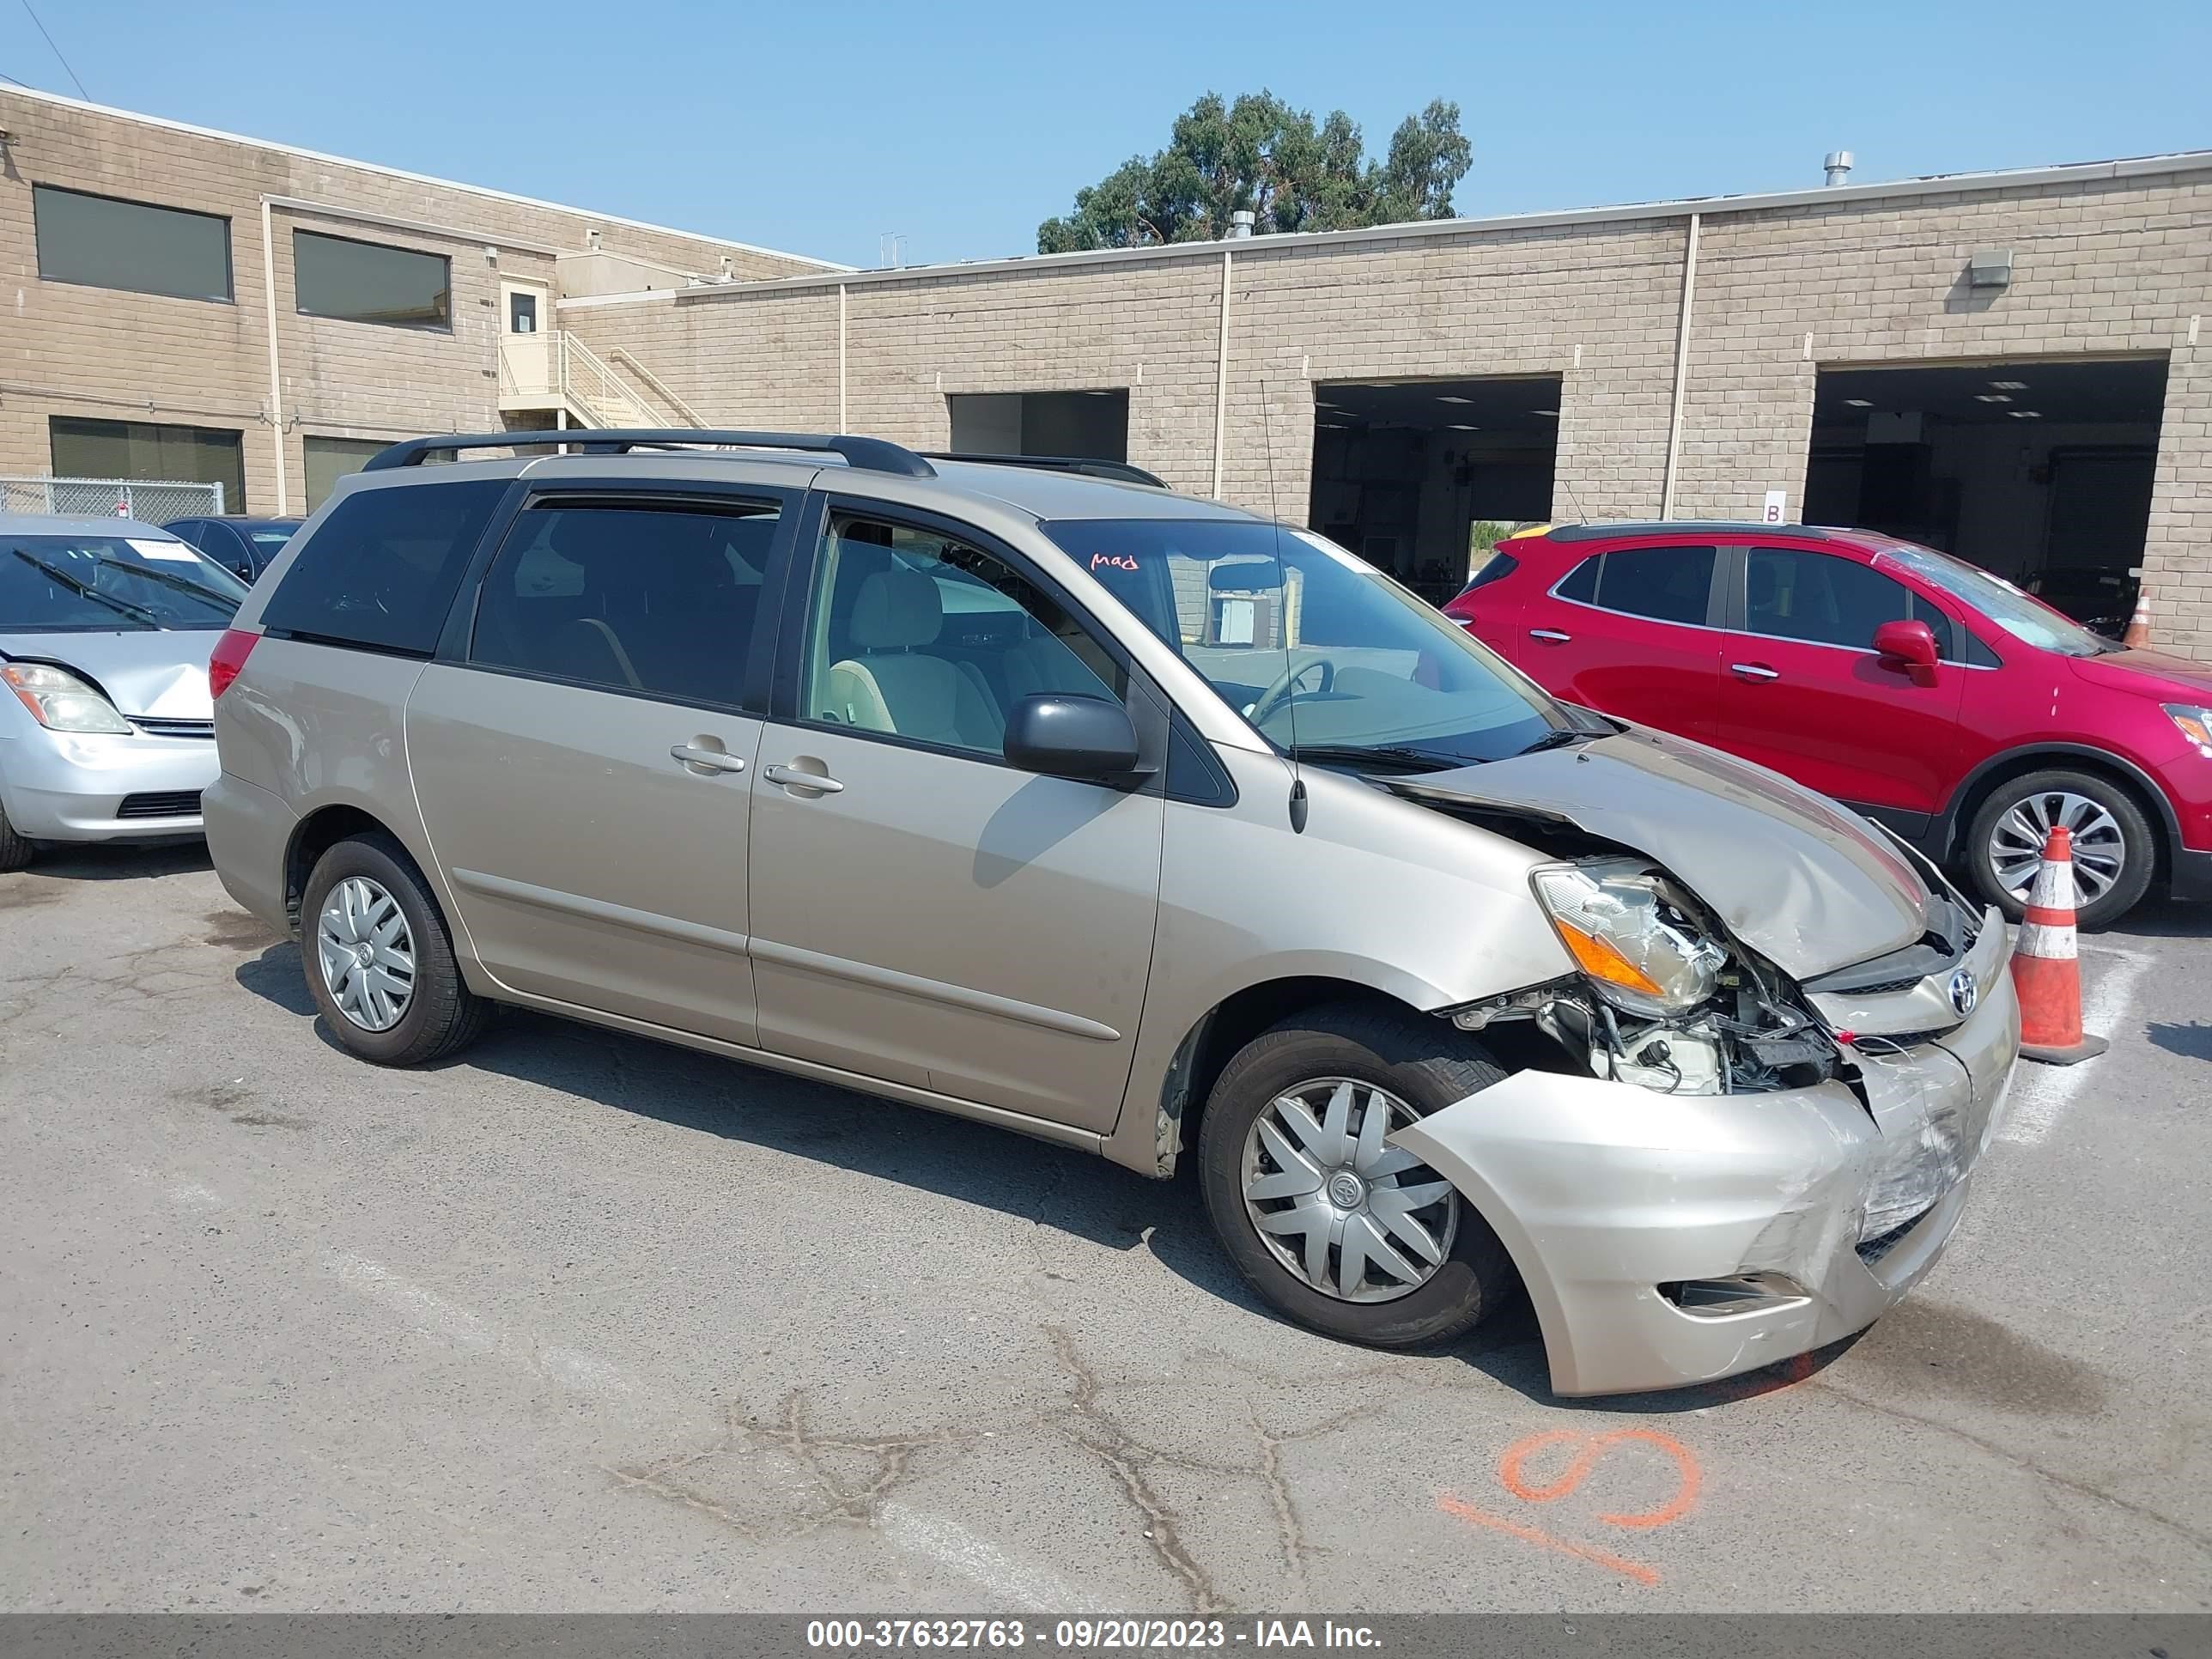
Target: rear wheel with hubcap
{"x":1323,"y":1215}
{"x":380,"y":960}
{"x":2114,"y":849}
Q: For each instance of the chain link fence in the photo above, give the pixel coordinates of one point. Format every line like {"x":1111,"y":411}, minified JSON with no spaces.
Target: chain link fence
{"x":150,"y":501}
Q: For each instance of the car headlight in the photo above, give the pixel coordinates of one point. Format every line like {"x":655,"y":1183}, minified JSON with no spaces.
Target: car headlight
{"x":1631,"y":938}
{"x":2195,"y":724}
{"x":59,"y":701}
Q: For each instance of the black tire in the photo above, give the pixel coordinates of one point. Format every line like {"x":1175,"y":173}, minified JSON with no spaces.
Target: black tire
{"x":15,"y":851}
{"x":2138,"y":839}
{"x":1426,"y":1064}
{"x":442,"y":1016}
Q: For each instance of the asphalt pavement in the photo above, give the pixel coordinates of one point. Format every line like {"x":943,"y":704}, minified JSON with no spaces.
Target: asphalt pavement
{"x":580,"y":1321}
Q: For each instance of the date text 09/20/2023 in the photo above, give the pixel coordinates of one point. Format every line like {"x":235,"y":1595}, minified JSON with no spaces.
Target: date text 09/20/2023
{"x":1086,"y":1635}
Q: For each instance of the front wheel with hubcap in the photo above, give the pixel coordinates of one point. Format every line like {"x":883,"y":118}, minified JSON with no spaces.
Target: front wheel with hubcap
{"x":2114,"y":849}
{"x":1326,"y":1218}
{"x":380,"y":961}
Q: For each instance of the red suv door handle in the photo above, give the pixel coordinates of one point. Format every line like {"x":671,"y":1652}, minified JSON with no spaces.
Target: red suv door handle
{"x":1755,"y":671}
{"x":1551,"y":633}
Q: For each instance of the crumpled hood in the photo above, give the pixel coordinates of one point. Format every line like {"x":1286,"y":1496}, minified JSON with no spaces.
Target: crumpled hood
{"x":1807,"y":884}
{"x":156,"y":672}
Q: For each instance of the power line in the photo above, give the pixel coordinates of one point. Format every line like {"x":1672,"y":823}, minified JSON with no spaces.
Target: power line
{"x":12,"y":81}
{"x":56,"y":51}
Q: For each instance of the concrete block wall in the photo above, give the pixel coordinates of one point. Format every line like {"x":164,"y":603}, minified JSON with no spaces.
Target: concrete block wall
{"x":2102,"y":267}
{"x":115,"y":354}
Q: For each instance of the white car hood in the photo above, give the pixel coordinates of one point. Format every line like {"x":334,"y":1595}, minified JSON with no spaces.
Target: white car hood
{"x":154,"y":672}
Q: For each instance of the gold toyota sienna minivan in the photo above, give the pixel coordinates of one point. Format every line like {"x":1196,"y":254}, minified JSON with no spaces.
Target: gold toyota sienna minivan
{"x":1036,"y":793}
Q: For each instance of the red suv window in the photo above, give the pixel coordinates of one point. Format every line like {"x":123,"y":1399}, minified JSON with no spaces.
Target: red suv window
{"x":1665,"y":584}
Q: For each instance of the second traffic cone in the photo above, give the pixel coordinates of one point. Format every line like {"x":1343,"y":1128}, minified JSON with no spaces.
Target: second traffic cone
{"x":2046,"y":973}
{"x":2138,"y":634}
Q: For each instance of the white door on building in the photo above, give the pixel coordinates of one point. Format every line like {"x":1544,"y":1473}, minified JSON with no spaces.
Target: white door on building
{"x":525,"y":361}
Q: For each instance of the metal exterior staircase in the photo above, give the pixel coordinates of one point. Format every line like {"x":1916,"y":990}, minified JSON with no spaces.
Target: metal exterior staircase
{"x":554,"y":372}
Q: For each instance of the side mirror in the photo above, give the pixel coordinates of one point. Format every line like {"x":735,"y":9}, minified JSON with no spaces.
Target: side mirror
{"x":1089,"y":739}
{"x":1912,"y":643}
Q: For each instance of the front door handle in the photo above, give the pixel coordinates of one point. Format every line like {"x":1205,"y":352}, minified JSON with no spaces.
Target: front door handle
{"x":793,"y":777}
{"x":1551,"y":633}
{"x":706,"y":760}
{"x":1755,"y":671}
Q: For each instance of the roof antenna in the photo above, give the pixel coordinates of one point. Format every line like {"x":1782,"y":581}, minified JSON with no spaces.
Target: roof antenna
{"x":1283,"y":611}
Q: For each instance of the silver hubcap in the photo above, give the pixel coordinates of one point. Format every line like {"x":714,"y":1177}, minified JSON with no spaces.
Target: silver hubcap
{"x":1354,"y":1218}
{"x":366,"y":954}
{"x":2100,"y":851}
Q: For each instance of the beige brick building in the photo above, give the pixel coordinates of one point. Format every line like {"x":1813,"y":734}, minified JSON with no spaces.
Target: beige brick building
{"x":2006,"y":364}
{"x":278,"y":394}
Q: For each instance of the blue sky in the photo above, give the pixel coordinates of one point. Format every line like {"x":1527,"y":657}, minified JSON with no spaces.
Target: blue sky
{"x":817,"y":128}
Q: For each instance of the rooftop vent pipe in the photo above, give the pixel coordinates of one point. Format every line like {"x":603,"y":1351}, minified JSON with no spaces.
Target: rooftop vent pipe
{"x":1241,"y":222}
{"x":1838,"y":164}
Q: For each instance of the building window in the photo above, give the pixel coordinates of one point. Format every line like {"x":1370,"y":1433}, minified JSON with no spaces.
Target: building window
{"x":139,"y":450}
{"x":369,"y":282}
{"x":102,"y":242}
{"x":330,"y":459}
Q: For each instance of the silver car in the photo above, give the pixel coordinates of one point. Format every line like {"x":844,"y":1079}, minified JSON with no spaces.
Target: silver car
{"x":107,"y":730}
{"x":1133,"y":822}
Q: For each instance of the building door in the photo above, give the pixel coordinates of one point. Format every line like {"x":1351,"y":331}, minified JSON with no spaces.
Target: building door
{"x":526,"y":316}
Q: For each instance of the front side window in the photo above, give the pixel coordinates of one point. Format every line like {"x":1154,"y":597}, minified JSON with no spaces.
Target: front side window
{"x":1791,"y":593}
{"x":370,"y":282}
{"x":1316,"y":648}
{"x":382,"y":571}
{"x":656,"y":601}
{"x":105,"y":242}
{"x":914,"y":633}
{"x":79,"y":584}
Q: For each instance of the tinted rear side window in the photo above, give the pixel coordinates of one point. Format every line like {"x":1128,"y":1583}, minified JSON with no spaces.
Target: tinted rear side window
{"x":382,"y":570}
{"x":1496,"y":569}
{"x":1666,"y":584}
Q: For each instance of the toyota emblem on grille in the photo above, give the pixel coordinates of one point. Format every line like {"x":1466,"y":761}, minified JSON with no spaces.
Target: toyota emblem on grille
{"x":1965,"y":993}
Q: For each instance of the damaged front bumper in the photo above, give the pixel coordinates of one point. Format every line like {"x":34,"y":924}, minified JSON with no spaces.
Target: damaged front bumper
{"x":1673,"y":1239}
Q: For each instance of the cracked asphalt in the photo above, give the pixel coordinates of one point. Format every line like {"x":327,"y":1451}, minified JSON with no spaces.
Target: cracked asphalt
{"x":583,"y":1322}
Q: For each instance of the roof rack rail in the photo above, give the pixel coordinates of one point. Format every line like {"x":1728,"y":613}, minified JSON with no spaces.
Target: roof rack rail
{"x":1083,"y":464}
{"x":871,"y":454}
{"x":1590,"y":532}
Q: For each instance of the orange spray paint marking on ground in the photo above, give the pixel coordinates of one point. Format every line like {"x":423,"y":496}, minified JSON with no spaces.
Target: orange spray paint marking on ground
{"x":1466,"y":1511}
{"x":1593,"y":1448}
{"x":1513,"y":1475}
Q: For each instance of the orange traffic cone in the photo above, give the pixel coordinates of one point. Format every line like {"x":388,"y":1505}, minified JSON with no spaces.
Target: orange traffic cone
{"x":2138,"y":634}
{"x":2045,"y":971}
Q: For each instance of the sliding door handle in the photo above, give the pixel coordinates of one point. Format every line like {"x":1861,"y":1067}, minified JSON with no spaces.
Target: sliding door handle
{"x":706,"y":760}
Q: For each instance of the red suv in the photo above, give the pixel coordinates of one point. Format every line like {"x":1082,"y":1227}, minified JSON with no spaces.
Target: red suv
{"x":1924,"y":692}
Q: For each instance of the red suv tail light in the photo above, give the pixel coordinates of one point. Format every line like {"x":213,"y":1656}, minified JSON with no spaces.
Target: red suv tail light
{"x":229,"y":656}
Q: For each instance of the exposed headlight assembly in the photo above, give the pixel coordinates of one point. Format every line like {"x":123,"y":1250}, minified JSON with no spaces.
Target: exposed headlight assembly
{"x":1631,"y":935}
{"x":59,"y":701}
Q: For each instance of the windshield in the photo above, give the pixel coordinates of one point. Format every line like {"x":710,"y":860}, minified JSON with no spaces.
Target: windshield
{"x":1316,"y":648}
{"x":2023,"y":616}
{"x":86,"y":584}
{"x":268,"y":539}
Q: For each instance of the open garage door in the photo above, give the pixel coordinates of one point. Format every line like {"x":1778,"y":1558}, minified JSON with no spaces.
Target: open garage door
{"x":1418,"y":477}
{"x":2039,"y":471}
{"x":1087,"y":425}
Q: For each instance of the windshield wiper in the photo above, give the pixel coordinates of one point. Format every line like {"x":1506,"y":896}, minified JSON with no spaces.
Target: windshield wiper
{"x":137,"y":612}
{"x":1559,"y":740}
{"x":172,"y":579}
{"x":1380,"y":754}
